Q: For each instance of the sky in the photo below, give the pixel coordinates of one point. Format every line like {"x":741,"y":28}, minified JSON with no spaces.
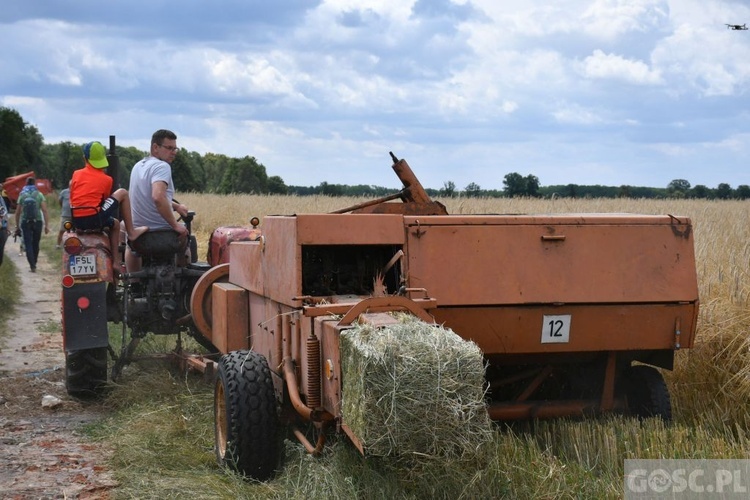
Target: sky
{"x":610,"y":92}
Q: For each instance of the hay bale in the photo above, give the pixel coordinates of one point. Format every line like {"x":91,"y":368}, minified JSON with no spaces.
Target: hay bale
{"x":413,"y":388}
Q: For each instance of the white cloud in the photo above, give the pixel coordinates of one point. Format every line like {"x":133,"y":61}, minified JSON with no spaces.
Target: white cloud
{"x":576,"y":115}
{"x":614,"y":67}
{"x":712,"y":62}
{"x":609,"y":19}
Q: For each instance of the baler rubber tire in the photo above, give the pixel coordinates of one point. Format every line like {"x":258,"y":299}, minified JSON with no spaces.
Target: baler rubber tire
{"x":200,"y":298}
{"x":86,"y":372}
{"x":647,"y":393}
{"x":245,"y":416}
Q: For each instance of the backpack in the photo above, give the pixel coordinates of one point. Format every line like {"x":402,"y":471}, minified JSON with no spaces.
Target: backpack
{"x":30,"y":207}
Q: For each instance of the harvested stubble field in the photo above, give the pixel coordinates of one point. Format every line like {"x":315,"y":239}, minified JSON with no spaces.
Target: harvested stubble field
{"x":162,"y":423}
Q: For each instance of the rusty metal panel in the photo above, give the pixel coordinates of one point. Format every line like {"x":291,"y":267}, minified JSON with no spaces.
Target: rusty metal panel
{"x":575,"y":219}
{"x":572,"y":328}
{"x":281,"y":260}
{"x":483,"y":260}
{"x":230,"y":317}
{"x":279,"y":252}
{"x":244,"y":271}
{"x":261,"y":340}
{"x":329,"y":335}
{"x":350,"y":229}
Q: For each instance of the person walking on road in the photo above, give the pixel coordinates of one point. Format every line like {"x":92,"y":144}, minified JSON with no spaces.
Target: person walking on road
{"x":65,"y":215}
{"x":31,"y":216}
{"x":3,"y":228}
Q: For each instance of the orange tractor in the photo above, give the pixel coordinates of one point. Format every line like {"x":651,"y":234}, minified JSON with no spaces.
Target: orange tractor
{"x":574,"y":313}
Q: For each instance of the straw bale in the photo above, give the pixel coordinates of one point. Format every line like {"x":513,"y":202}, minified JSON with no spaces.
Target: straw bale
{"x":413,"y":388}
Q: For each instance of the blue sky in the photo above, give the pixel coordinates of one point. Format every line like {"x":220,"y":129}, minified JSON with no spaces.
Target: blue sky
{"x":611,"y":92}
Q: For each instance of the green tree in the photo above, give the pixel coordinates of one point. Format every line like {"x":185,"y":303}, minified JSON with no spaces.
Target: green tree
{"x":276,"y":185}
{"x":182,"y":174}
{"x":742,"y":192}
{"x":532,"y":185}
{"x":472,"y":190}
{"x":723,"y":191}
{"x":244,"y":175}
{"x":449,"y":189}
{"x":20,"y":144}
{"x":700,"y":191}
{"x":678,"y":188}
{"x":514,"y":184}
{"x":32,"y":149}
{"x":214,"y":167}
{"x":330,"y":189}
{"x":61,"y":160}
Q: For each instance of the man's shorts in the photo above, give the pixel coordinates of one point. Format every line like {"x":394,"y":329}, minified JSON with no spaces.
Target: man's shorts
{"x":105,"y":217}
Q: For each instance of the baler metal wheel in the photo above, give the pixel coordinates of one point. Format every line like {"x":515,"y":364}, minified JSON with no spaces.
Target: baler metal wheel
{"x":200,"y":299}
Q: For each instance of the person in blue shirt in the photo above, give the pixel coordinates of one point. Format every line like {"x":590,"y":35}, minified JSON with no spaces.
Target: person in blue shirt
{"x":31,"y":223}
{"x":3,"y":228}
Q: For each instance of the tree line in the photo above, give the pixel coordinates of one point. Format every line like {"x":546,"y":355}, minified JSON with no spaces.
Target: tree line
{"x":22,"y":148}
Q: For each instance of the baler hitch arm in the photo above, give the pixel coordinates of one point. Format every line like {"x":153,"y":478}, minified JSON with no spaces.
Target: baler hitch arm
{"x":415,"y":199}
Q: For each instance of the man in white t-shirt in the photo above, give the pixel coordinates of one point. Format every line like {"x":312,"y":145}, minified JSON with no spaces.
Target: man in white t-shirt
{"x":152,"y":192}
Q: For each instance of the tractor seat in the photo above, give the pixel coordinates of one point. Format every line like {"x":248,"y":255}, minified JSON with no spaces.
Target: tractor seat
{"x":97,"y":228}
{"x":100,"y":230}
{"x":157,"y":242}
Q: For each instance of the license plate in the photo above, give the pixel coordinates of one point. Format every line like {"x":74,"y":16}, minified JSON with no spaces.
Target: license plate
{"x":82,"y":265}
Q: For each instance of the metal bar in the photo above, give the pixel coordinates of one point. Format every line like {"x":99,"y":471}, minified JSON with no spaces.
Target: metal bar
{"x":549,"y":409}
{"x":370,"y":203}
{"x":534,"y":385}
{"x":608,"y":392}
{"x":313,"y":450}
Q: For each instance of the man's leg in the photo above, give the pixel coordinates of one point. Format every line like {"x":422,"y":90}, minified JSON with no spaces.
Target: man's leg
{"x":37,"y":238}
{"x":3,"y":239}
{"x":114,"y":245}
{"x":132,"y":261}
{"x":27,"y":231}
{"x":123,"y":198}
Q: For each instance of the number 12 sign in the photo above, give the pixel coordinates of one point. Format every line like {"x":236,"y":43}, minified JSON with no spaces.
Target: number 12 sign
{"x":556,"y":329}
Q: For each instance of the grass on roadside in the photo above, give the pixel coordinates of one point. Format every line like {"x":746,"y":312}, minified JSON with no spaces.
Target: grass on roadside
{"x":9,"y":293}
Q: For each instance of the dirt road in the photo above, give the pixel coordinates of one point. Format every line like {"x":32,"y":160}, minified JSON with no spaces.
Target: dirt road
{"x":42,"y":453}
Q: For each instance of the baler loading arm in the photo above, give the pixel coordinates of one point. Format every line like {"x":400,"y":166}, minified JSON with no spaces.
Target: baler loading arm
{"x":415,"y":199}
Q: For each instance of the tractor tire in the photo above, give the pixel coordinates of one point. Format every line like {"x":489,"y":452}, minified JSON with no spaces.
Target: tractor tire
{"x":647,"y":393}
{"x":86,"y":372}
{"x":245,"y":416}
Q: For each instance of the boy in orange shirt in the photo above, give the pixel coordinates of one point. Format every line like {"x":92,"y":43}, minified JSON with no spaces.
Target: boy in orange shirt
{"x":92,"y":205}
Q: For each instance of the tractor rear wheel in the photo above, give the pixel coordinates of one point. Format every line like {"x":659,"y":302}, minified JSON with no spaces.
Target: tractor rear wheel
{"x":647,"y":393}
{"x":245,"y":417}
{"x":86,"y":372}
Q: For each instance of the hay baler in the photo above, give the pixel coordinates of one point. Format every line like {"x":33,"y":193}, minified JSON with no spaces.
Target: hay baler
{"x":573,"y":313}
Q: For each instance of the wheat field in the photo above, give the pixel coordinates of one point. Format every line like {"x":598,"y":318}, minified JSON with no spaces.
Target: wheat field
{"x":710,"y":389}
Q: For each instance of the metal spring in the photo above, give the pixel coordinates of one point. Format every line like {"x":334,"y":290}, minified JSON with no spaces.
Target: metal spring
{"x":313,"y":372}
